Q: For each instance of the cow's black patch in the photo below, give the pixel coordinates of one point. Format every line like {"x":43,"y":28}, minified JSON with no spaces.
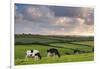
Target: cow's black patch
{"x":31,"y":51}
{"x":53,"y":51}
{"x":38,"y":54}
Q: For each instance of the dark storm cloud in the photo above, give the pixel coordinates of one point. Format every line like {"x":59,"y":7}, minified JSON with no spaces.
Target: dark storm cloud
{"x":63,"y":11}
{"x":87,"y":14}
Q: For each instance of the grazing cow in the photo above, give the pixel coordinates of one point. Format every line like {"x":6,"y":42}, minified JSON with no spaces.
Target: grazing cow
{"x":76,"y":51}
{"x":33,"y":54}
{"x":53,"y":52}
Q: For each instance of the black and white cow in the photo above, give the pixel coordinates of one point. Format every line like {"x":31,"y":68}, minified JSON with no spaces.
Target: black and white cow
{"x":52,"y":52}
{"x":76,"y":51}
{"x":33,"y":54}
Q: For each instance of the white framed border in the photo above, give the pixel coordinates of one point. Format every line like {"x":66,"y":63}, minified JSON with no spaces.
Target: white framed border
{"x":72,"y":65}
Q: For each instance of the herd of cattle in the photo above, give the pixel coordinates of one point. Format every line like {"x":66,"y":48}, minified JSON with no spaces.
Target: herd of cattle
{"x":50,"y":52}
{"x":36,"y":54}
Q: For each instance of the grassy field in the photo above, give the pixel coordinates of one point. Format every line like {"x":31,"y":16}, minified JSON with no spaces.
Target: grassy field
{"x":64,"y":44}
{"x":90,"y":43}
{"x":65,"y":58}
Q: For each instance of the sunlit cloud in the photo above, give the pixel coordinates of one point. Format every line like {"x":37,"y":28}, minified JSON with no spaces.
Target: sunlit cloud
{"x":44,"y":20}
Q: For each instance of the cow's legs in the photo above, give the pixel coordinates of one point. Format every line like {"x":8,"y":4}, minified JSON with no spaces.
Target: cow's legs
{"x":49,"y":54}
{"x":36,"y":57}
{"x":26,"y":57}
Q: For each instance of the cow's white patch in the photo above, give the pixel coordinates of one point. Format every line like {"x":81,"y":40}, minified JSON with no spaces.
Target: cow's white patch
{"x":32,"y":54}
{"x":50,"y":54}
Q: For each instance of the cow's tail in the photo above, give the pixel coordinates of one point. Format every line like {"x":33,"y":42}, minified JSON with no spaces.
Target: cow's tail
{"x":39,"y":56}
{"x":58,"y":54}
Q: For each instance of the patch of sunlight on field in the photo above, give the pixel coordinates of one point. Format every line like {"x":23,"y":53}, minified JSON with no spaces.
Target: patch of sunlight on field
{"x":73,"y":46}
{"x":90,"y":43}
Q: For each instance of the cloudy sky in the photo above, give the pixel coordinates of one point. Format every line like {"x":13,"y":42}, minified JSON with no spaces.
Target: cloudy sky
{"x":53,"y":20}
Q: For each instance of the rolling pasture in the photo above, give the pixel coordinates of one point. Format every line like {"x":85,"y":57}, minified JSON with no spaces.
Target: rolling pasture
{"x":64,"y":44}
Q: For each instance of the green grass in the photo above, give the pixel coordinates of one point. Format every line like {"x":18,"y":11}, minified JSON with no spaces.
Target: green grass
{"x":66,"y":58}
{"x":21,"y":49}
{"x":62,"y":43}
{"x":72,"y":46}
{"x":33,"y":40}
{"x":90,"y":43}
